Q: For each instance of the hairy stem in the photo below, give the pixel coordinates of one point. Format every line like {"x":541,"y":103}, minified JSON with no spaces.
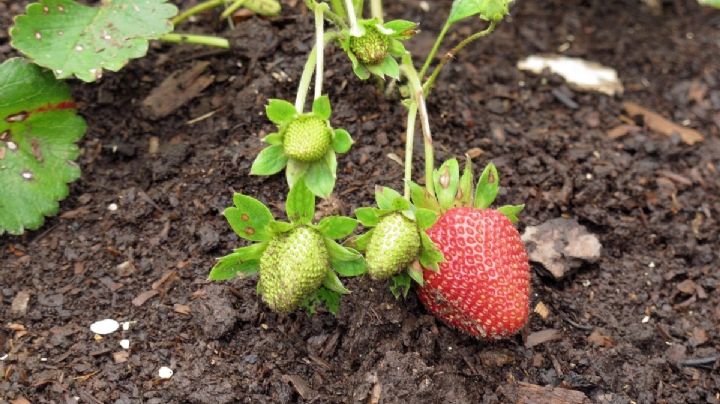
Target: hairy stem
{"x":320,"y":44}
{"x":354,"y":30}
{"x":450,"y":55}
{"x":197,"y":9}
{"x":409,"y":144}
{"x":196,"y":39}
{"x":434,"y":49}
{"x":376,"y":10}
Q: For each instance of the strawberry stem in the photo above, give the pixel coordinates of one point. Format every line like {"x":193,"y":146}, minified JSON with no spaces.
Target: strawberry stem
{"x":419,"y":104}
{"x":320,"y":44}
{"x":197,"y":9}
{"x":409,"y":143}
{"x":354,"y":30}
{"x":307,"y":73}
{"x":376,"y":10}
{"x":450,"y":55}
{"x":434,"y":49}
{"x":196,"y":39}
{"x":231,"y":9}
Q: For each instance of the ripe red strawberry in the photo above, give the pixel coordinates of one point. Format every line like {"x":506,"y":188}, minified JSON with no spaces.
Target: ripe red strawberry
{"x":483,"y":286}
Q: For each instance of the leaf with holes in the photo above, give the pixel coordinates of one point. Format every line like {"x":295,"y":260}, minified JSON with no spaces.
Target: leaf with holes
{"x":73,"y":39}
{"x":38,"y":130}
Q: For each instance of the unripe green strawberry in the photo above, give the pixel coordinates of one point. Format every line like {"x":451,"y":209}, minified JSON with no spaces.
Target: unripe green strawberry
{"x":394,"y":244}
{"x":370,"y":48}
{"x":307,"y":139}
{"x":292,"y":267}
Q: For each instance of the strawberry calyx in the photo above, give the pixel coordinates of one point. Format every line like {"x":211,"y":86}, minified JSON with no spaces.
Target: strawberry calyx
{"x":305,"y":146}
{"x":396,"y":244}
{"x":309,"y":254}
{"x":378,"y":46}
{"x":453,"y":190}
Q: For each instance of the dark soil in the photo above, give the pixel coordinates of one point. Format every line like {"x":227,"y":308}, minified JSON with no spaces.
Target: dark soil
{"x":651,"y":303}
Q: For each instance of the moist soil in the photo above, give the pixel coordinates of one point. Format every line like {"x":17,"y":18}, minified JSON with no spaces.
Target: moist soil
{"x":639,"y":325}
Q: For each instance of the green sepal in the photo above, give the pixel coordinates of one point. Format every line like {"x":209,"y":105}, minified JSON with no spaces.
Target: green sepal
{"x":465,"y":194}
{"x":369,"y":217}
{"x":416,"y":273}
{"x":430,"y":255}
{"x":342,"y":141}
{"x":511,"y":211}
{"x":388,"y":67}
{"x":280,"y":227}
{"x":294,"y":171}
{"x":322,"y":297}
{"x":300,"y":204}
{"x":249,"y":218}
{"x":339,"y":253}
{"x":400,"y":285}
{"x":403,"y":29}
{"x":320,"y":176}
{"x":421,"y":198}
{"x":350,"y":268}
{"x":280,"y":112}
{"x":425,"y":218}
{"x":337,"y":227}
{"x":361,"y":242}
{"x":487,"y":187}
{"x":396,"y":48}
{"x":387,"y":198}
{"x":274,"y":139}
{"x":321,"y":107}
{"x":446,"y":180}
{"x":244,"y":260}
{"x":271,"y":160}
{"x":490,"y":10}
{"x":333,"y":283}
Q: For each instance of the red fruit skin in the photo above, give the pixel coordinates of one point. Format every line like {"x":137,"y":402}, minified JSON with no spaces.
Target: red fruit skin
{"x":483,"y":287}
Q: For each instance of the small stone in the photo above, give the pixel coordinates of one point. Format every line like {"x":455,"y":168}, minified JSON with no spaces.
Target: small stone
{"x":165,"y":372}
{"x":20,"y":303}
{"x":112,"y":207}
{"x":125,"y":343}
{"x":104,"y":327}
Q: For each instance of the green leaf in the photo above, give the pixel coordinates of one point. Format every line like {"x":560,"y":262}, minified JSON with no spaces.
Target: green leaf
{"x":386,"y":198}
{"x":38,"y":130}
{"x":321,"y":107}
{"x":280,"y":112}
{"x":244,"y":260}
{"x":416,"y":274}
{"x":300,"y":204}
{"x":367,"y":216}
{"x":70,"y":38}
{"x":337,"y":227}
{"x":249,"y":218}
{"x":425,"y":218}
{"x":334,"y":283}
{"x":273,"y":139}
{"x":340,"y":253}
{"x":712,"y":3}
{"x":491,"y":10}
{"x":323,"y":297}
{"x":403,"y":29}
{"x":390,"y":67}
{"x":279,"y":227}
{"x":320,"y":178}
{"x":446,"y":180}
{"x":511,"y":211}
{"x":362,"y":241}
{"x":342,"y":142}
{"x":349,"y":269}
{"x":400,"y":285}
{"x":421,"y":198}
{"x":271,"y":160}
{"x":487,"y":187}
{"x":464,"y":196}
{"x":294,"y":171}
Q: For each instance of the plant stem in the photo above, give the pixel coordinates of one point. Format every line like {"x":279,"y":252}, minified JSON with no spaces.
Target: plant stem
{"x":338,"y":8}
{"x":419,"y":100}
{"x":409,"y":144}
{"x":305,"y":79}
{"x":232,"y":8}
{"x":320,"y":44}
{"x":448,"y":56}
{"x":196,"y":39}
{"x":376,"y":10}
{"x":354,"y":30}
{"x":434,"y":50}
{"x":197,"y":9}
{"x":359,"y":7}
{"x":334,"y":18}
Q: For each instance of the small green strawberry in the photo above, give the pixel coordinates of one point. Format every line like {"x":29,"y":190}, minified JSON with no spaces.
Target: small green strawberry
{"x":307,"y":139}
{"x":377,"y":47}
{"x":298,"y":262}
{"x":292,"y":268}
{"x":396,"y":245}
{"x":305,"y":145}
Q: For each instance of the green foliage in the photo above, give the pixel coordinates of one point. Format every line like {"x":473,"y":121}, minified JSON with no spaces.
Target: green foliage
{"x":72,"y":39}
{"x":249,"y":218}
{"x":487,"y":187}
{"x":712,"y":3}
{"x":377,"y":50}
{"x":300,"y":204}
{"x":511,"y":211}
{"x":38,"y":130}
{"x":490,"y":10}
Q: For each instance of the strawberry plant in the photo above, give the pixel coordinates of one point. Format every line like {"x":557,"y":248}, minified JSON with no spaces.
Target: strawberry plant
{"x":298,"y":262}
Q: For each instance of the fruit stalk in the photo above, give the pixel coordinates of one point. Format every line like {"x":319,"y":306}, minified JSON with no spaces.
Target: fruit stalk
{"x":196,"y":39}
{"x":231,"y":9}
{"x":419,"y":100}
{"x":197,"y":9}
{"x":320,"y":44}
{"x":435,"y":48}
{"x":354,"y":29}
{"x":376,"y":10}
{"x":307,"y":74}
{"x":409,"y":144}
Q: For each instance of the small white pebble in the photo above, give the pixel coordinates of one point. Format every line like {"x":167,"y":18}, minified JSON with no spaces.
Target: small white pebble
{"x":126,"y":325}
{"x":43,"y":359}
{"x":586,"y":282}
{"x":425,"y":6}
{"x":651,"y":265}
{"x":449,"y":348}
{"x":104,"y":327}
{"x":645,"y":319}
{"x":165,"y":372}
{"x":2,"y":358}
{"x":588,"y":176}
{"x":125,"y":343}
{"x":113,"y":207}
